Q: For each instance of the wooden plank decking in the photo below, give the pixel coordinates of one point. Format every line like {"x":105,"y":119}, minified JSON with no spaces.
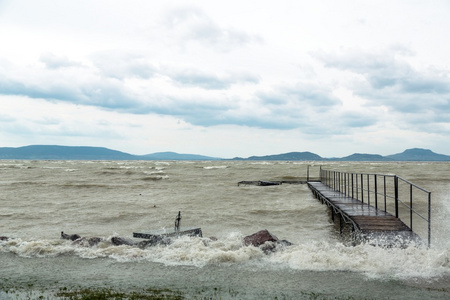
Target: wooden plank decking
{"x":372,"y":223}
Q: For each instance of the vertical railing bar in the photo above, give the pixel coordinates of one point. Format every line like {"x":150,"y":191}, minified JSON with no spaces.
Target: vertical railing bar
{"x":396,"y":195}
{"x":384,"y":185}
{"x":339,"y":181}
{"x":368,"y":190}
{"x":362,"y":189}
{"x":429,"y":219}
{"x":334,"y":179}
{"x":376,"y":191}
{"x":410,"y":207}
{"x":345,"y":184}
{"x":352,"y":185}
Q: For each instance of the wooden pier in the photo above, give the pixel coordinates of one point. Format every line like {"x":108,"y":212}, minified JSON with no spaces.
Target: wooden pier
{"x":372,"y":224}
{"x":371,"y":204}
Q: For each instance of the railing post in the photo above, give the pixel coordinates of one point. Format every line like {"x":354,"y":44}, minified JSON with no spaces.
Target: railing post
{"x":429,"y":219}
{"x":307,"y":173}
{"x":362,"y":188}
{"x":410,"y":206}
{"x":339,"y":182}
{"x":345,"y":184}
{"x":334,"y":180}
{"x":396,"y":195}
{"x":368,"y":189}
{"x":352,"y":185}
{"x":376,"y":191}
{"x":321,"y":174}
{"x":384,"y":185}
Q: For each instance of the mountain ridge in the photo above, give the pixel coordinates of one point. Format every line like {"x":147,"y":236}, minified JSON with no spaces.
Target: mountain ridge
{"x":57,"y":152}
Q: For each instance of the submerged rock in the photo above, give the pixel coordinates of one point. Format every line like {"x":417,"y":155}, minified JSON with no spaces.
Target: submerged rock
{"x":265,"y":240}
{"x":157,"y":240}
{"x":259,"y":238}
{"x":71,"y":237}
{"x":4,"y":238}
{"x":88,"y":241}
{"x":116,"y":240}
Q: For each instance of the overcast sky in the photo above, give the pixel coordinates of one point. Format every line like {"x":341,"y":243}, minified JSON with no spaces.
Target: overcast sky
{"x":226,"y":78}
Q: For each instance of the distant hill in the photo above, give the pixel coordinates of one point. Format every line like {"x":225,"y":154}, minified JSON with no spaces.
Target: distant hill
{"x":176,"y":156}
{"x":48,"y":152}
{"x":51,"y":152}
{"x":288,"y":156}
{"x":363,"y":157}
{"x":417,"y":154}
{"x":414,"y":154}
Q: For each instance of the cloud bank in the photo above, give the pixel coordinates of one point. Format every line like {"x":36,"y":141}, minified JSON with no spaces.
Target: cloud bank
{"x":225,"y":80}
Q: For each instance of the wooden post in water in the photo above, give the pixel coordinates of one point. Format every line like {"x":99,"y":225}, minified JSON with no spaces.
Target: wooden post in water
{"x":177,"y":222}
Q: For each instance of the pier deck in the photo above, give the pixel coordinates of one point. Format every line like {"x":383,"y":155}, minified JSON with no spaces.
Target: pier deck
{"x":371,"y":222}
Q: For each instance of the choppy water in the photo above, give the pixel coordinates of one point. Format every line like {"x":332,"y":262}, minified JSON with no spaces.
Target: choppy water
{"x":39,"y":199}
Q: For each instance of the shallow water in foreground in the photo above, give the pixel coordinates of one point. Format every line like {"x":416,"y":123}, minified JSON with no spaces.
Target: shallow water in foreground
{"x":104,"y":199}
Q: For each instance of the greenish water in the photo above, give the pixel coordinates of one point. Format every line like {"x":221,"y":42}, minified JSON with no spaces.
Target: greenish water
{"x":105,"y":199}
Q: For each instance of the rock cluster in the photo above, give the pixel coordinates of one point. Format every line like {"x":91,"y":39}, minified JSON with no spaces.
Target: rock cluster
{"x":262,"y":239}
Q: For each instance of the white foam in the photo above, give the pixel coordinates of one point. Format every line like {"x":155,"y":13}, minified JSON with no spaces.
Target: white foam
{"x":214,"y":167}
{"x":374,"y":262}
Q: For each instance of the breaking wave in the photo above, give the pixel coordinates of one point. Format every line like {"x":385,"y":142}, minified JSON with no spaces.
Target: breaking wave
{"x":373,"y":262}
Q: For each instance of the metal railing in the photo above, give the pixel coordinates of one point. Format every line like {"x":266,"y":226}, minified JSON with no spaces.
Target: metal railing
{"x":386,"y":192}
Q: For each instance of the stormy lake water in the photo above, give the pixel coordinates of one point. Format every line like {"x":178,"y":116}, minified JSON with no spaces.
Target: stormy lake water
{"x":39,"y":199}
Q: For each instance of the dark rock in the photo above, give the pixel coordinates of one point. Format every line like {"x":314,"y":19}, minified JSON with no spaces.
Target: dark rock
{"x":266,"y":241}
{"x":259,"y":238}
{"x":88,"y":241}
{"x":71,"y":237}
{"x":207,"y":241}
{"x":116,"y":240}
{"x":268,"y":247}
{"x":156,"y":240}
{"x":267,"y":183}
{"x":285,"y":243}
{"x":4,"y":238}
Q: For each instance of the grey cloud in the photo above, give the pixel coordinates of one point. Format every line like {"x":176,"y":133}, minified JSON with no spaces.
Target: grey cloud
{"x":392,"y":81}
{"x":53,"y":61}
{"x":354,"y":119}
{"x":194,"y":25}
{"x":198,"y":78}
{"x":105,"y":94}
{"x":6,"y":118}
{"x":123,"y":65}
{"x":300,"y":95}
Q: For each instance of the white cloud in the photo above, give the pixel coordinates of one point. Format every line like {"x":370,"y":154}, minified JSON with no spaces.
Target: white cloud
{"x":264,"y":78}
{"x":191,"y":24}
